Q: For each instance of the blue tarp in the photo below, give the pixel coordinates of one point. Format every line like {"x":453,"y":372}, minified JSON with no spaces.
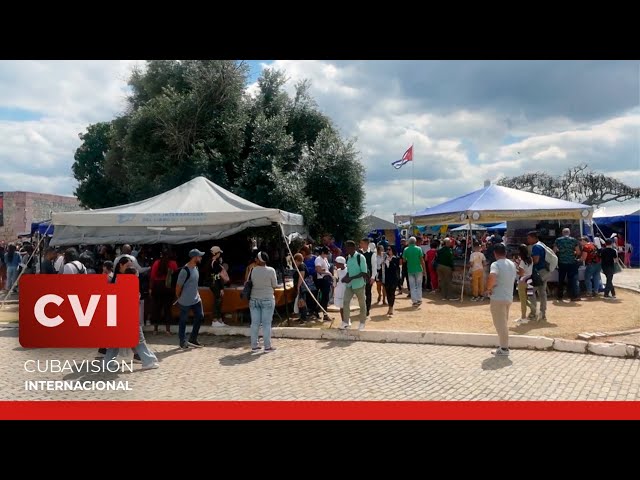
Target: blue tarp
{"x":618,"y":218}
{"x":43,"y":228}
{"x":500,"y":226}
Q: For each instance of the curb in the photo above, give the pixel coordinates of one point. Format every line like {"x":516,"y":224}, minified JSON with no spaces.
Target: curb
{"x":487,"y":340}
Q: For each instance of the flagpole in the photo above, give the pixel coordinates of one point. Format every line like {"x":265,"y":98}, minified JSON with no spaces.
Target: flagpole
{"x":413,"y":205}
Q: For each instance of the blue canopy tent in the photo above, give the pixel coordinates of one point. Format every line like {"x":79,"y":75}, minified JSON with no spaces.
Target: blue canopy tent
{"x":624,"y":219}
{"x":499,"y":226}
{"x":377,"y":226}
{"x":494,"y":203}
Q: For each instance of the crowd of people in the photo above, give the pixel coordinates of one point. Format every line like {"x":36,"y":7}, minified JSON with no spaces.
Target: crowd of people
{"x":328,"y":274}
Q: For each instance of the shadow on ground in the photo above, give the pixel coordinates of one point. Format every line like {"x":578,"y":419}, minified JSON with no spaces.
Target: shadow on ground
{"x":496,"y":363}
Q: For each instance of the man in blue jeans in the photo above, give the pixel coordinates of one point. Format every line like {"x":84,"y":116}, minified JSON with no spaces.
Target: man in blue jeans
{"x":189,"y":299}
{"x":568,"y":250}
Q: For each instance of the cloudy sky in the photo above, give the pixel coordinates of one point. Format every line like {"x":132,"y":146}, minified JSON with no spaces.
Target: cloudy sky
{"x":468,"y":120}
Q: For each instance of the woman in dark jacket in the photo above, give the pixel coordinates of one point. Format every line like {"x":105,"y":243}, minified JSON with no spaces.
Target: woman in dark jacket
{"x":391,"y":276}
{"x":609,"y":256}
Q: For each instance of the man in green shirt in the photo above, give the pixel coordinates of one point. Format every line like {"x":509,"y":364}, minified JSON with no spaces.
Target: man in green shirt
{"x":414,"y":261}
{"x":568,"y":250}
{"x":356,"y":279}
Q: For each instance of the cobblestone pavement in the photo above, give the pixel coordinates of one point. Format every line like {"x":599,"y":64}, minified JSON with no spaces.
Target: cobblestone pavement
{"x":333,"y":370}
{"x":629,"y":278}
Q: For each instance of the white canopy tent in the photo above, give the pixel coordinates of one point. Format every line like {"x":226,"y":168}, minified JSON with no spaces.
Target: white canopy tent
{"x":494,"y":203}
{"x":469,"y":226}
{"x":198,"y":210}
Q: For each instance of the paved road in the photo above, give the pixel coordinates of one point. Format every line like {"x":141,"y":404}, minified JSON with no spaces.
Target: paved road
{"x":335,"y":370}
{"x":629,"y":278}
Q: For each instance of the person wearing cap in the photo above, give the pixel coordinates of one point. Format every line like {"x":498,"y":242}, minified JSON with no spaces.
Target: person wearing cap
{"x":340,"y":287}
{"x":217,"y":286}
{"x":189,"y":299}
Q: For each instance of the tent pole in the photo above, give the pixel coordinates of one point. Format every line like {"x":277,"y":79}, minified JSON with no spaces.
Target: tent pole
{"x":464,"y":269}
{"x":286,"y":242}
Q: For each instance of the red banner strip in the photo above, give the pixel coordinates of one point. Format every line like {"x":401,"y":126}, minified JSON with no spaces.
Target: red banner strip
{"x":336,"y":410}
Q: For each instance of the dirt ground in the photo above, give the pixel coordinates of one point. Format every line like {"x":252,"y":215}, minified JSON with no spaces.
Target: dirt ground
{"x":564,"y":320}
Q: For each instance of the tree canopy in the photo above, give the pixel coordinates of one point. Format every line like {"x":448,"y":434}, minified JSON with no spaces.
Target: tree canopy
{"x":577,"y":184}
{"x":194,"y":117}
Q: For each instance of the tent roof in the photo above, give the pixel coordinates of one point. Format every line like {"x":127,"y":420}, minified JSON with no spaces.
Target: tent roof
{"x":197,"y":202}
{"x":466,"y":227}
{"x":198,"y":210}
{"x":377,"y":223}
{"x":618,"y":210}
{"x":497,"y":203}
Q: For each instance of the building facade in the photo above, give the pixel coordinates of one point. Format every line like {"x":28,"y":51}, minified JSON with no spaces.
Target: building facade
{"x":19,"y":209}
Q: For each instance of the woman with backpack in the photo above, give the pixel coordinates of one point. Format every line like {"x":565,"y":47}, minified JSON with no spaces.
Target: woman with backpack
{"x":161,"y":291}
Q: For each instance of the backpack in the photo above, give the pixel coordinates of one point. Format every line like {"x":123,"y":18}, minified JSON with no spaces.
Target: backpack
{"x":367,"y":276}
{"x":174,"y":277}
{"x":367,"y":255}
{"x":550,"y":258}
{"x":73,"y":264}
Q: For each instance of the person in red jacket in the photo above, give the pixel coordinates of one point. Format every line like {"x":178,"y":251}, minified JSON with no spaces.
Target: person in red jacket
{"x":430,"y":257}
{"x":161,"y":290}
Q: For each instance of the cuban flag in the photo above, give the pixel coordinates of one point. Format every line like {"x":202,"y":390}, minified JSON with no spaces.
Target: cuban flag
{"x":407,"y":157}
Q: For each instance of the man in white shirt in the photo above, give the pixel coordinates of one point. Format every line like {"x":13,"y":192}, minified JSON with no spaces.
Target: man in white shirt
{"x":597,"y":241}
{"x":59,"y":262}
{"x":325,"y":279}
{"x":126,"y":252}
{"x":502,"y":278}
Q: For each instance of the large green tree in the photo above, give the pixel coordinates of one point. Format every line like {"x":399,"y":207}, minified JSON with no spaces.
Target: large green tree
{"x":193,"y":117}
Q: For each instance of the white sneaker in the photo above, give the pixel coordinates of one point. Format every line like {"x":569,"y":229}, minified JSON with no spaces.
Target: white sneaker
{"x":361,"y":326}
{"x":218,"y":323}
{"x":500,"y":352}
{"x":345,"y":325}
{"x":522,"y":321}
{"x":154,"y":365}
{"x":349,"y":323}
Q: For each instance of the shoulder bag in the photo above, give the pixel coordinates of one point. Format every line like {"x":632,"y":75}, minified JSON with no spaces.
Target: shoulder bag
{"x":248,"y":286}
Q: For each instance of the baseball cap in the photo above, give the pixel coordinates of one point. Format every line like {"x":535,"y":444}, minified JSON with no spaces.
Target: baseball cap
{"x":340,"y":260}
{"x":216,"y":249}
{"x":196,"y":253}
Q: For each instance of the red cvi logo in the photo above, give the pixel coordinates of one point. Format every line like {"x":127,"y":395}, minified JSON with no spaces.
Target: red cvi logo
{"x":78,"y":311}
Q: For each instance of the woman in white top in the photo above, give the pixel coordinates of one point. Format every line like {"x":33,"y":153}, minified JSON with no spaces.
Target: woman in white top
{"x":524,"y":267}
{"x":262,"y":302}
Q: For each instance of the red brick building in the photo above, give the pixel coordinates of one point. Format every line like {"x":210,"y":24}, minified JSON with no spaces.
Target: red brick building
{"x":19,"y":209}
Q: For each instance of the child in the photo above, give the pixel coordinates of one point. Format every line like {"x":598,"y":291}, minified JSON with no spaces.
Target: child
{"x":478,"y":261}
{"x":338,"y":294}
